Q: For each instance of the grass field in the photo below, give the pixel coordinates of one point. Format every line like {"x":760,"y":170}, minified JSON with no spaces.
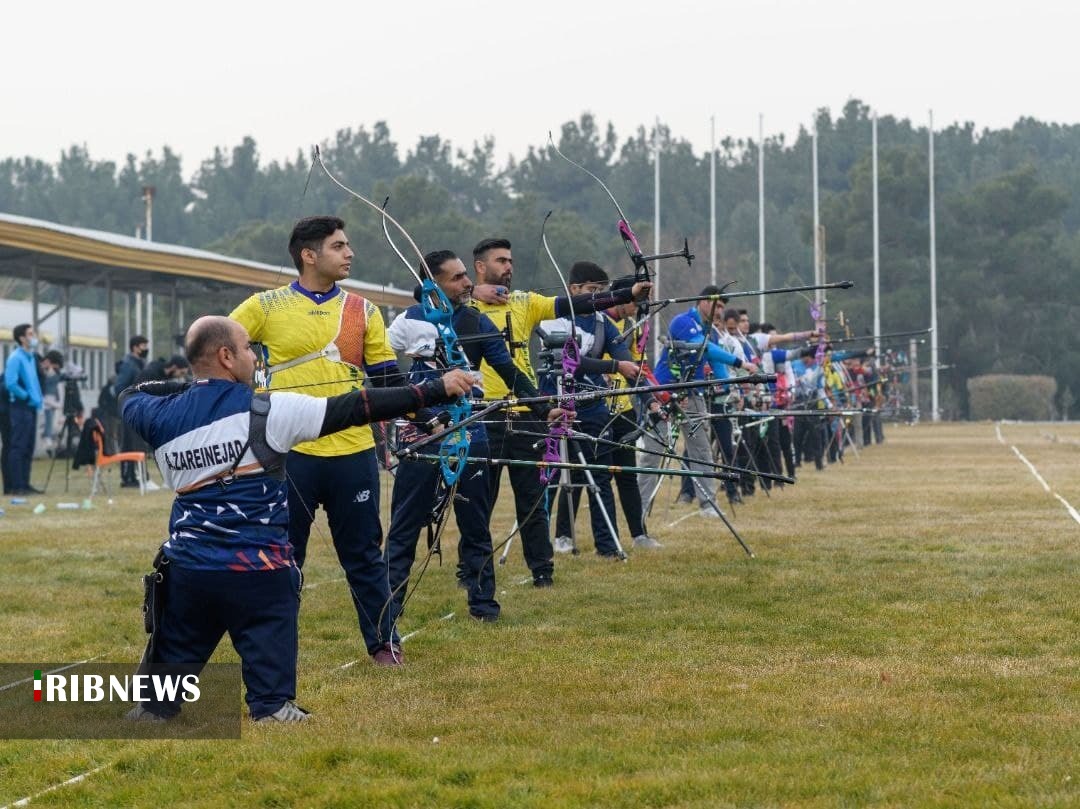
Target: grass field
{"x":909,"y":635}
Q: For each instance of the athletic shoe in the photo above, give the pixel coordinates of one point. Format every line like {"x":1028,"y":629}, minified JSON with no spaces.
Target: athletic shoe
{"x":709,"y":513}
{"x":140,"y":714}
{"x":543,"y":581}
{"x":646,"y":541}
{"x":289,"y":712}
{"x":564,"y":545}
{"x":389,"y":655}
{"x":484,"y":617}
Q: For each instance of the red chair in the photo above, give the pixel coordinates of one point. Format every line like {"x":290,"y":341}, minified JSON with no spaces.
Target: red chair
{"x":103,"y":461}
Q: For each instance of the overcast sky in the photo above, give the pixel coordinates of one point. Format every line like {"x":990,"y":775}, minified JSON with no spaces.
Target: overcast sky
{"x":130,"y":76}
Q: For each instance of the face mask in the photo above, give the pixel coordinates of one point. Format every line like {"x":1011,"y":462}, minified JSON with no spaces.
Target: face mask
{"x":143,"y":352}
{"x":34,"y":343}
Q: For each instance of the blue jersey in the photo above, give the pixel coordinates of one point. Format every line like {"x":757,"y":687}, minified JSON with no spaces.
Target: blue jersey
{"x":199,"y":437}
{"x":681,"y":363}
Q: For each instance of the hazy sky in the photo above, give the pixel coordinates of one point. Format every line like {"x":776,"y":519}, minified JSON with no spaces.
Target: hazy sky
{"x":131,"y":76}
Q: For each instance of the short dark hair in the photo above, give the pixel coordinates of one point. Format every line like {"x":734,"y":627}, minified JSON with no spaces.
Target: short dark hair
{"x":309,"y":234}
{"x":436,"y":258}
{"x":744,"y":312}
{"x":55,"y":357}
{"x":586,"y":272}
{"x":484,"y":245}
{"x":712,"y":289}
{"x":208,"y":338}
{"x":137,"y":340}
{"x":731,"y":313}
{"x":20,"y":331}
{"x":177,"y":361}
{"x":765,"y":327}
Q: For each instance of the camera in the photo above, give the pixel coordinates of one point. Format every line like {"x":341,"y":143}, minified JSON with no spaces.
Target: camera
{"x":555,"y":339}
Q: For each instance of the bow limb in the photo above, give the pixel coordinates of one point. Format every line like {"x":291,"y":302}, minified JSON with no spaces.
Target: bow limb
{"x":439,"y":312}
{"x":571,"y":358}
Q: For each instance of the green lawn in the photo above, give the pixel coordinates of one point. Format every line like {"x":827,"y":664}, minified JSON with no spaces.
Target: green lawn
{"x":907,"y":636}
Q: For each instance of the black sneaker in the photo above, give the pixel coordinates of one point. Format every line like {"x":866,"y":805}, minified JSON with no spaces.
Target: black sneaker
{"x":543,"y":581}
{"x":31,"y":490}
{"x":484,"y":617}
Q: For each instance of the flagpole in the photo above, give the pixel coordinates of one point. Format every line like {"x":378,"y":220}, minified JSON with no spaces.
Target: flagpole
{"x":761,"y":214}
{"x":712,"y":202}
{"x":877,"y":234}
{"x":817,"y":220}
{"x":934,"y":414}
{"x":656,"y":229}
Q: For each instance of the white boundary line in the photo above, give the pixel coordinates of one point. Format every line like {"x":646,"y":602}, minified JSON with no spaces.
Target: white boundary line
{"x":54,"y":787}
{"x":317,"y":584}
{"x":1031,"y":467}
{"x":50,"y":671}
{"x":448,"y":617}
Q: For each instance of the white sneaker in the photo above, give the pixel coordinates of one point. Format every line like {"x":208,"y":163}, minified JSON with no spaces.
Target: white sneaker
{"x":646,"y":541}
{"x":140,"y":714}
{"x":564,"y":545}
{"x":709,"y":513}
{"x":289,"y":712}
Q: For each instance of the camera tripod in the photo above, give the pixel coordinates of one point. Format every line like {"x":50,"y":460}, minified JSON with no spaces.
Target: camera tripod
{"x":66,"y":438}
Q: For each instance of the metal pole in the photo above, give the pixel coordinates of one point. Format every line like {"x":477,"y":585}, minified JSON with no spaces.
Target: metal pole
{"x":761,"y":214}
{"x":150,"y":324}
{"x":148,"y":198}
{"x":109,"y":323}
{"x":656,"y":230}
{"x":913,"y":357}
{"x":35,"y":295}
{"x":934,"y":414}
{"x":817,"y":220}
{"x":712,"y":203}
{"x":66,"y":319}
{"x":877,"y":235}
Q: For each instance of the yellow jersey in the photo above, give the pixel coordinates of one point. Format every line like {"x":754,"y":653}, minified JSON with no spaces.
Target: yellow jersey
{"x":527,"y":310}
{"x":291,"y":323}
{"x":621,"y":404}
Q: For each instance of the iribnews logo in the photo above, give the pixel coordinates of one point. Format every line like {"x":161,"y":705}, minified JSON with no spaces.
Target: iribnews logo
{"x":130,"y":688}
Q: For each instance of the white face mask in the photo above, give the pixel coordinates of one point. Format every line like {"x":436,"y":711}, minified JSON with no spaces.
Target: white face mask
{"x":34,"y":342}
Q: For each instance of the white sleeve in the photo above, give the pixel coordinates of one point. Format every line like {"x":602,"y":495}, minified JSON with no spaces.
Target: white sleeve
{"x":415,"y":338}
{"x":294,"y":418}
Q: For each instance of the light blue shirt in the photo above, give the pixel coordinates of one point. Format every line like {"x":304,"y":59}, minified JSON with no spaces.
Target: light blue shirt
{"x":21,"y":378}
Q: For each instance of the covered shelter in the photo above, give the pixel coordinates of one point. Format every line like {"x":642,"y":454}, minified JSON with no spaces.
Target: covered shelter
{"x":128,"y":273}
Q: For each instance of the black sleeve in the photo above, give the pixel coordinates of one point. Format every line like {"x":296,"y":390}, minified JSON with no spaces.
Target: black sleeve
{"x":595,"y":365}
{"x":592,"y":302}
{"x":365,"y":406}
{"x":384,"y":375}
{"x":156,"y":387}
{"x":522,"y":387}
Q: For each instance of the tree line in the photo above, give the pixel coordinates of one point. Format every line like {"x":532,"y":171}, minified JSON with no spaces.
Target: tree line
{"x":1008,"y":251}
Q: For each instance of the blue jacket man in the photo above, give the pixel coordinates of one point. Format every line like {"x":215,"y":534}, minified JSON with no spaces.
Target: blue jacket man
{"x":22,"y":388}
